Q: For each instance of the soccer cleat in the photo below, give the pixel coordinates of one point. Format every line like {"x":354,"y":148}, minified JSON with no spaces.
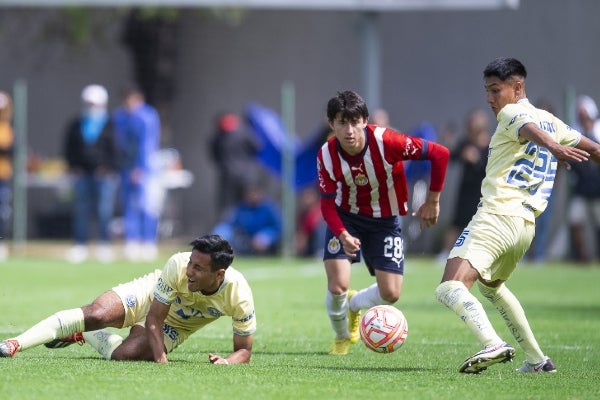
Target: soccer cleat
{"x":340,"y":347}
{"x":490,"y":355}
{"x":545,"y":366}
{"x":8,"y":348}
{"x":66,"y":341}
{"x":353,"y":320}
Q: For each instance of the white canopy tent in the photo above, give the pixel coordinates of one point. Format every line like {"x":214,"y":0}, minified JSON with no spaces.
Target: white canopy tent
{"x":350,"y":5}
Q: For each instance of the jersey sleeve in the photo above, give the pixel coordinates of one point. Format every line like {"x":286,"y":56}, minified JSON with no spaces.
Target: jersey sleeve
{"x":512,"y":117}
{"x":439,"y":156}
{"x":327,"y":189}
{"x":243,"y":317}
{"x":566,"y":135}
{"x":402,"y":147}
{"x":166,"y":287}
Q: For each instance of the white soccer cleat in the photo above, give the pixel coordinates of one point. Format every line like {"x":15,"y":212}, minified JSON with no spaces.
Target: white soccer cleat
{"x":490,"y":355}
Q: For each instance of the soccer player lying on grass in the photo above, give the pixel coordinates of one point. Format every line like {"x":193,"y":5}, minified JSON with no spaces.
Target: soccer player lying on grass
{"x":520,"y":172}
{"x":162,"y":308}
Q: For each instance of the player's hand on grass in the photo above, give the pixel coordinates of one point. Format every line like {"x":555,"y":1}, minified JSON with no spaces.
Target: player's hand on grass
{"x":162,"y":359}
{"x":217,"y":359}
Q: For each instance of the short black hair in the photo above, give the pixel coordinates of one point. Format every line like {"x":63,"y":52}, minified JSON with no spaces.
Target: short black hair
{"x":219,"y":249}
{"x":349,"y":104}
{"x":504,"y":68}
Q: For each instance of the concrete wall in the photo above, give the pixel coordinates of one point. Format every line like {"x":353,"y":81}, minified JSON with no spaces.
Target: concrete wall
{"x":431,"y":70}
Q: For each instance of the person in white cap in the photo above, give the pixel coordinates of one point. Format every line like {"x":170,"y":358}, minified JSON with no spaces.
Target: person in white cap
{"x":91,"y":155}
{"x":585,"y":196}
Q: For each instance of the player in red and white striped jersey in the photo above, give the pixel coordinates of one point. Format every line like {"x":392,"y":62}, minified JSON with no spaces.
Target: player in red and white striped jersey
{"x":363,"y":193}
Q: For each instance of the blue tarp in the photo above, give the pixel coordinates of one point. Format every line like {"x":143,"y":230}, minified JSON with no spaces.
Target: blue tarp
{"x":267,"y":126}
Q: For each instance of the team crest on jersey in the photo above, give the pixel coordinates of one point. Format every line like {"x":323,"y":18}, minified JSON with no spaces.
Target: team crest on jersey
{"x":361,"y":180}
{"x":334,"y":246}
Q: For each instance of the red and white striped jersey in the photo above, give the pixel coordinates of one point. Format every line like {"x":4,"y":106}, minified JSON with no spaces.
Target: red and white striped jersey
{"x":373,"y":182}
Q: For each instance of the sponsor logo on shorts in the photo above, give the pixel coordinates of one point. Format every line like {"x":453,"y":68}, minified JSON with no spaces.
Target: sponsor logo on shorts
{"x":170,"y":332}
{"x":130,"y":300}
{"x":334,"y":246}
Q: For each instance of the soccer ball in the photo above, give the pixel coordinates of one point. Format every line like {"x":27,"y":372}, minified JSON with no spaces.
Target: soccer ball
{"x":383,"y":329}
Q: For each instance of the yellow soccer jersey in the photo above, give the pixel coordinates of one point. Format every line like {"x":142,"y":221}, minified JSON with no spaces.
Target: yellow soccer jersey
{"x":191,"y":311}
{"x":519,"y":173}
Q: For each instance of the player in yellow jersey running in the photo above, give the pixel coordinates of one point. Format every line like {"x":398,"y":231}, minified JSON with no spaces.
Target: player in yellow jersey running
{"x":163,"y":309}
{"x":522,"y":159}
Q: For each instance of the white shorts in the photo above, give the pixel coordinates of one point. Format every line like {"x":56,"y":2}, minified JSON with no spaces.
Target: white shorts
{"x":494,"y":244}
{"x":582,"y":210}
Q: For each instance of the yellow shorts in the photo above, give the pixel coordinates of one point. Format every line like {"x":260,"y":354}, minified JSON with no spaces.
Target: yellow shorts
{"x":494,"y":244}
{"x":137,"y":295}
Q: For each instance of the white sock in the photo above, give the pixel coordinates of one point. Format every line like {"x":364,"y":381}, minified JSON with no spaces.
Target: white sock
{"x":512,"y":312}
{"x":103,"y":341}
{"x":58,"y":325}
{"x":456,"y":296}
{"x":366,"y":298}
{"x":337,"y":309}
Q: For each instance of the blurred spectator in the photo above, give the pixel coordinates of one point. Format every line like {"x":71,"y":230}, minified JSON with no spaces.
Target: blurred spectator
{"x":310,"y":234}
{"x":471,"y":155}
{"x":380,"y":117}
{"x":417,"y":175}
{"x":137,"y":127}
{"x":91,"y":157}
{"x":584,"y":207}
{"x":6,"y":171}
{"x":253,"y":226}
{"x":234,"y":152}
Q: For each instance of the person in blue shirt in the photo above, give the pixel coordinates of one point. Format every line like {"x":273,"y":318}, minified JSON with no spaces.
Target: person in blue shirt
{"x":137,"y":127}
{"x":253,"y":226}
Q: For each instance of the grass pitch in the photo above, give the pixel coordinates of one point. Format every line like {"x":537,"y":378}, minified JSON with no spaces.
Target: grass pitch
{"x":290,"y":359}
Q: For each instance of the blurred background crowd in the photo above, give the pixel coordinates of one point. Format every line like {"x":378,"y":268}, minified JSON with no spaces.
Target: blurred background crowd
{"x":122,"y":128}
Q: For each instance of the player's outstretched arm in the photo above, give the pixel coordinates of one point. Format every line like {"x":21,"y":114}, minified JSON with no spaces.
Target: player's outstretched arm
{"x":591,"y":147}
{"x":242,"y":351}
{"x":564,"y":154}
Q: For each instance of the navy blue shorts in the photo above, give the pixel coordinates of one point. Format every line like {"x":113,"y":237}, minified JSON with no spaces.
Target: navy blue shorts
{"x":381,"y":242}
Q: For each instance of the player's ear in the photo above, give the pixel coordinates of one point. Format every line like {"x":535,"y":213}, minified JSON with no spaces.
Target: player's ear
{"x":519,"y":88}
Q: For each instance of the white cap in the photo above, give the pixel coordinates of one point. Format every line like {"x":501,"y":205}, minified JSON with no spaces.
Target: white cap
{"x":95,"y":94}
{"x":589,"y":105}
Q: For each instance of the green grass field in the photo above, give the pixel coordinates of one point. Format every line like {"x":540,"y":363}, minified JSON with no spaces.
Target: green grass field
{"x":290,"y":359}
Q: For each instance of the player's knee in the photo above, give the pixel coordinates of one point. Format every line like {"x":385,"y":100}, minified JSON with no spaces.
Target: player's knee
{"x":95,"y":317}
{"x":390,"y":297}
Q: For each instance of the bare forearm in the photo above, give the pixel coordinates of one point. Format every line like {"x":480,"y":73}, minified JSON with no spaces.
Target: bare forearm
{"x":156,"y":341}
